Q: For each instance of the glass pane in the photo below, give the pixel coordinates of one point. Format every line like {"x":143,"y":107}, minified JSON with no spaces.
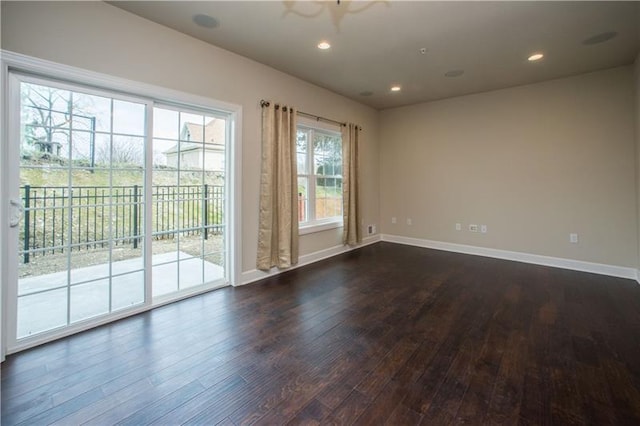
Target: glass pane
{"x":127,"y":256}
{"x":214,"y":217}
{"x":328,"y":198}
{"x":45,"y":144}
{"x":321,"y":208}
{"x":164,"y":227}
{"x":92,"y":208}
{"x":92,"y":113}
{"x":126,"y":198}
{"x":214,"y":159}
{"x":41,"y":312}
{"x":214,"y":267}
{"x":318,"y":164}
{"x":302,"y":163}
{"x":302,"y":140}
{"x":215,"y":130}
{"x":303,"y":198}
{"x":83,"y":146}
{"x":191,"y":272}
{"x":318,"y":144}
{"x":191,"y":156}
{"x":127,"y":290}
{"x":301,"y":151}
{"x":43,"y":230}
{"x":42,"y":280}
{"x":102,"y":149}
{"x":45,"y":98}
{"x":127,"y":151}
{"x":165,"y":154}
{"x":89,"y":263}
{"x":191,"y":127}
{"x":190,"y":244}
{"x":328,"y":152}
{"x":128,"y":118}
{"x":215,"y":240}
{"x":165,"y":278}
{"x":81,"y":231}
{"x":165,"y":124}
{"x":89,"y":300}
{"x":165,"y":179}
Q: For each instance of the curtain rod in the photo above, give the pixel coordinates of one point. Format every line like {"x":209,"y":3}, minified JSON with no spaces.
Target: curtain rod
{"x":264,"y":103}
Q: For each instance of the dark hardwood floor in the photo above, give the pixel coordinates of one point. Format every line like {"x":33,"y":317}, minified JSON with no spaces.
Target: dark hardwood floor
{"x":384,"y":334}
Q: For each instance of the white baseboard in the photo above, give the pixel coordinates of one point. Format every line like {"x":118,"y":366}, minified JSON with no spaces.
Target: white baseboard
{"x":557,"y":262}
{"x":253,"y":275}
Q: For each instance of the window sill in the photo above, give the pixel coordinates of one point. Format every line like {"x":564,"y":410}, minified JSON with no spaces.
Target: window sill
{"x":318,"y":227}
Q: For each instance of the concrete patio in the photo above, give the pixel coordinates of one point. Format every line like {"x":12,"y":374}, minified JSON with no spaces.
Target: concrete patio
{"x":42,"y":305}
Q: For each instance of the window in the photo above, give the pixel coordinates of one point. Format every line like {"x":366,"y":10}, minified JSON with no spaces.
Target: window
{"x":319,"y":156}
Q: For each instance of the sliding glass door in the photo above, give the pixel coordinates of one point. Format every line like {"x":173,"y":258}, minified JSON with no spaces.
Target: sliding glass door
{"x":116,"y":203}
{"x":188,"y":199}
{"x":81,"y":182}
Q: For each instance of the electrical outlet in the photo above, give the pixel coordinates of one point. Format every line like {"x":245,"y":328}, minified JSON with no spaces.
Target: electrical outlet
{"x":458,"y":227}
{"x":409,"y":221}
{"x":371,"y":229}
{"x":573,"y":238}
{"x":483,"y":229}
{"x":394,"y":220}
{"x":473,"y":228}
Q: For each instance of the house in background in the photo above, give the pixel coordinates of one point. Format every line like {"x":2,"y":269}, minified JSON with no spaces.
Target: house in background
{"x":196,"y":151}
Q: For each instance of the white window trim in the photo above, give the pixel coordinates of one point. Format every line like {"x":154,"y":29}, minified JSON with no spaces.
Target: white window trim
{"x":320,"y":226}
{"x":327,"y":224}
{"x":10,"y":62}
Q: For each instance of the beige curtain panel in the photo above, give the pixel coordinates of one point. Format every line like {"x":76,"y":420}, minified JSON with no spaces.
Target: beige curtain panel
{"x":278,"y":227}
{"x":352,"y":234}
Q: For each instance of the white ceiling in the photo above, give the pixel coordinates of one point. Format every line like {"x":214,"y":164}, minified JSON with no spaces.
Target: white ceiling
{"x":380,"y":45}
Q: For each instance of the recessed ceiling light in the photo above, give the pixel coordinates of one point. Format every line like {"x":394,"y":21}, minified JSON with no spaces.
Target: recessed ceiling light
{"x":396,"y":88}
{"x":600,"y":38}
{"x":454,"y":73}
{"x":205,"y":21}
{"x":535,"y":57}
{"x":324,"y":45}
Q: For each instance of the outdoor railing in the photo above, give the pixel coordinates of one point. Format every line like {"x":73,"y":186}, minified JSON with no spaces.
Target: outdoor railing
{"x":87,"y":217}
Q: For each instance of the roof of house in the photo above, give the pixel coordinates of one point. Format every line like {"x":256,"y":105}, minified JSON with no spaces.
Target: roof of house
{"x":214,"y":136}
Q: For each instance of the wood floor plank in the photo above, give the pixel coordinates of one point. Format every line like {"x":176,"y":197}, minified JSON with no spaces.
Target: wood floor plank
{"x":349,"y":410}
{"x":385,"y":334}
{"x":201,"y":402}
{"x":312,"y":414}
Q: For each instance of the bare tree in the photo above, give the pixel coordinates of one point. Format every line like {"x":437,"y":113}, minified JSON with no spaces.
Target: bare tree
{"x":49,"y":115}
{"x":123,"y":151}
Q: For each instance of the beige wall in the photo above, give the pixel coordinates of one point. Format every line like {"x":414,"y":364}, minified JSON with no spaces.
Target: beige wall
{"x":100,"y":37}
{"x":534,"y":163}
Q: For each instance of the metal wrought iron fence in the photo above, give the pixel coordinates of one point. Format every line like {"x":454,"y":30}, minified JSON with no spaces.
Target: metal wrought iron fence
{"x":87,"y":217}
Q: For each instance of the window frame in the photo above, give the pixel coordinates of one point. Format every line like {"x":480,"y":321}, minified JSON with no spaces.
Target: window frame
{"x":313,"y":225}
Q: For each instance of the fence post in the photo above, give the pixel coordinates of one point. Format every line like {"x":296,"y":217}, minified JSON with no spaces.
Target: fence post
{"x":135,"y":216}
{"x":27,"y":203}
{"x":206,"y":211}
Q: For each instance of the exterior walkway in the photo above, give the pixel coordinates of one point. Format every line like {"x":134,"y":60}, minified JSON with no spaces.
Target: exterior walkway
{"x":42,"y":305}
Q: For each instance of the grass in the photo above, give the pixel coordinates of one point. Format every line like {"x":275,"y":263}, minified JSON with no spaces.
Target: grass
{"x":92,"y":217}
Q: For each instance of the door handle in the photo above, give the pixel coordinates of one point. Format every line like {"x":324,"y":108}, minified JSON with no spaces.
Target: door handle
{"x":16,"y":213}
